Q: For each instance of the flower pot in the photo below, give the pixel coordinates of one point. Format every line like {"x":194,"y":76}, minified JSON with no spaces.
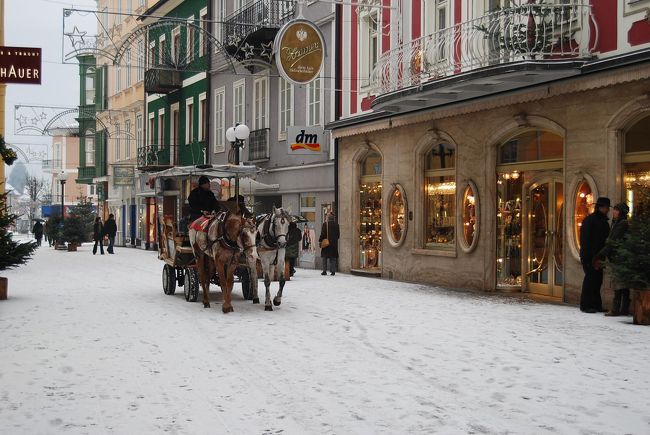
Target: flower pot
{"x":4,"y":285}
{"x":641,"y":308}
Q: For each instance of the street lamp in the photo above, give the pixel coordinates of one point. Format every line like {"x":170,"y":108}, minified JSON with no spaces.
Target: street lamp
{"x":62,"y":177}
{"x":236,"y":136}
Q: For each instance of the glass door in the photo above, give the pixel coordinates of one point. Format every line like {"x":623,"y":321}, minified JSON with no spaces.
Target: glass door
{"x":545,"y":241}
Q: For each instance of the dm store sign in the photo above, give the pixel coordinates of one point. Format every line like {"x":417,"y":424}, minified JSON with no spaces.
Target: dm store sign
{"x":306,"y":140}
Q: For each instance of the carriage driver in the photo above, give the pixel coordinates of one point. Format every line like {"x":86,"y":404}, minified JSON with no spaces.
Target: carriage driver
{"x":202,"y":199}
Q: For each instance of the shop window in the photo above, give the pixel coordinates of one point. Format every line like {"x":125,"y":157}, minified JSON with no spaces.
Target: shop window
{"x":584,"y":201}
{"x":532,"y":146}
{"x":509,"y":229}
{"x":397,"y":216}
{"x":370,"y":214}
{"x":637,"y":164}
{"x":308,"y":207}
{"x":440,"y":202}
{"x":469,"y":215}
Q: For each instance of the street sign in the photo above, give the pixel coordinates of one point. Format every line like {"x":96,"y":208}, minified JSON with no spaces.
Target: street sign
{"x":123,"y":175}
{"x":299,"y":51}
{"x":20,"y":65}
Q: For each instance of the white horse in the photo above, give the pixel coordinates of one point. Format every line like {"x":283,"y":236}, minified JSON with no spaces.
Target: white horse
{"x":272,"y":230}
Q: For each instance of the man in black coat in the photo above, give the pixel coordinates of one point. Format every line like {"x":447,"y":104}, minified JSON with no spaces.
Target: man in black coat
{"x":110,"y":229}
{"x":330,"y":253}
{"x":38,"y":232}
{"x":202,"y":199}
{"x":593,"y":235}
{"x":621,"y":302}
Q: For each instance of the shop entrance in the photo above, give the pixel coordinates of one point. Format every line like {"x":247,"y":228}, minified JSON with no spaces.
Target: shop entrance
{"x":370,"y":214}
{"x":530,"y":214}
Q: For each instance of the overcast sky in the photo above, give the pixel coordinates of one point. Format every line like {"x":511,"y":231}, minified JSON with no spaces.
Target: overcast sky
{"x":39,"y":23}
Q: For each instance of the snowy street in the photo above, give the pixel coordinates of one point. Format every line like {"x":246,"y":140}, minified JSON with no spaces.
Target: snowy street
{"x":90,"y":344}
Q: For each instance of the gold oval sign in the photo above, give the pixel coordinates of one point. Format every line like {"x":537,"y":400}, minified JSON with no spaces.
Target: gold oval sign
{"x":299,"y":52}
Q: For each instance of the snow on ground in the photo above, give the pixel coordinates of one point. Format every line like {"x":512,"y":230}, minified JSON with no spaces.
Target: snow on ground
{"x":90,"y":344}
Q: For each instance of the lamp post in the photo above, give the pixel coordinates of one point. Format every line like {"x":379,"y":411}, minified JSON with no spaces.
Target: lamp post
{"x":236,"y":136}
{"x":62,"y":177}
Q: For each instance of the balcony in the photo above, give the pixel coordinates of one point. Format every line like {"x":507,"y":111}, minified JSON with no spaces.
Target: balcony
{"x":153,"y":157}
{"x":258,"y":144}
{"x":86,"y":174}
{"x":162,"y":81}
{"x":51,"y":165}
{"x":504,"y":50}
{"x":248,"y":34}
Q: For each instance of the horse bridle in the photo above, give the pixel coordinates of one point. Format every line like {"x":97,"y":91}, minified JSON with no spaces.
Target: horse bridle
{"x":277,"y":236}
{"x":254,"y":245}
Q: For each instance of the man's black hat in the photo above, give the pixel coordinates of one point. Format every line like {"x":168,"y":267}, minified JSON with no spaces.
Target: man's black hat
{"x":603,"y":202}
{"x":203,"y":179}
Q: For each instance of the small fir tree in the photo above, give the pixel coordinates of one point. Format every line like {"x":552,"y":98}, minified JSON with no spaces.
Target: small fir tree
{"x":78,"y":226}
{"x":12,"y":253}
{"x":53,"y":228}
{"x":631,"y":262}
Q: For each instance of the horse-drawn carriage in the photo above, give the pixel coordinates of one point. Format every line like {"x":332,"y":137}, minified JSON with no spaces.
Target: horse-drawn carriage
{"x":172,"y":188}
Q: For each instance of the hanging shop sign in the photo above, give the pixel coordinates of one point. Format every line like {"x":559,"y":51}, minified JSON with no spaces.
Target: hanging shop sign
{"x":20,"y":65}
{"x":299,"y":51}
{"x":123,"y":175}
{"x":306,"y":140}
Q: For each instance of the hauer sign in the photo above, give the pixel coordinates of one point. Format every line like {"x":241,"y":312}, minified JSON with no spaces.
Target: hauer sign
{"x":20,"y":65}
{"x":299,"y":52}
{"x":306,"y":140}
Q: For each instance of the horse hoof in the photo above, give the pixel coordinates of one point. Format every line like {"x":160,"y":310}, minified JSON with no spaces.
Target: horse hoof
{"x":206,"y":305}
{"x":268,"y":308}
{"x":256,"y":300}
{"x":227,"y":310}
{"x":277,"y":301}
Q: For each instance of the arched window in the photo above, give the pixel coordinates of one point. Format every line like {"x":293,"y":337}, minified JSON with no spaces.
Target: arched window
{"x":370,"y":192}
{"x":533,"y":145}
{"x":637,"y":162}
{"x":440,"y":200}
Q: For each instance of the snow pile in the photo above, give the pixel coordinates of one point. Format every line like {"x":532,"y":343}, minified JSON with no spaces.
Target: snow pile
{"x":90,"y":344}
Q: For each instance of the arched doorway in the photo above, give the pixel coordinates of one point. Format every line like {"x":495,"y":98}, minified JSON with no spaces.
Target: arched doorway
{"x":370,"y":213}
{"x":636,"y":161}
{"x":530,"y":213}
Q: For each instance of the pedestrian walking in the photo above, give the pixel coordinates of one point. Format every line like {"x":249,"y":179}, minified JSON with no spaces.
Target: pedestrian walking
{"x":46,"y":232}
{"x":98,"y":235}
{"x":621,"y":302}
{"x":593,"y":235}
{"x":293,"y":242}
{"x":329,"y":244}
{"x":38,"y":232}
{"x":110,"y":230}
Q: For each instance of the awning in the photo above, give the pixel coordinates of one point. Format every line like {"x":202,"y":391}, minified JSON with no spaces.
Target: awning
{"x":215,"y":171}
{"x":248,"y":186}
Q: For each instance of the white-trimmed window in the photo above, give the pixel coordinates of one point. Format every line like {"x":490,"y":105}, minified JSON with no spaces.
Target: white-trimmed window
{"x":127,"y":139}
{"x":261,"y":103}
{"x":118,"y":18}
{"x":161,"y":128}
{"x":162,"y":49}
{"x":315,"y":102}
{"x":436,"y":18}
{"x":203,"y":17}
{"x":220,"y":120}
{"x":90,"y":148}
{"x":369,"y":45}
{"x":239,"y":102}
{"x":219,"y":13}
{"x":104,"y":20}
{"x":129,"y":6}
{"x":189,"y":120}
{"x":189,"y":30}
{"x":152,"y":53}
{"x":117,"y":143}
{"x":285,"y":103}
{"x":118,"y":79}
{"x":141,"y":3}
{"x":139,"y":74}
{"x":90,"y":85}
{"x":176,"y":45}
{"x":308,"y":206}
{"x":138,"y":131}
{"x":202,"y":116}
{"x":152,"y":128}
{"x":128,"y":67}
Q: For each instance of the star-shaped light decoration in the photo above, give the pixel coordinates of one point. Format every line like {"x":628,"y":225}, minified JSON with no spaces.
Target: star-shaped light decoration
{"x":249,"y":50}
{"x":43,"y":116}
{"x":76,"y":37}
{"x":267,"y":50}
{"x":233,"y":39}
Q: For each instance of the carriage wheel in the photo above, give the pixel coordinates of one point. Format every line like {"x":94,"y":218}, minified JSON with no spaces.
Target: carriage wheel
{"x":169,"y":280}
{"x":191,"y":285}
{"x":246,"y":287}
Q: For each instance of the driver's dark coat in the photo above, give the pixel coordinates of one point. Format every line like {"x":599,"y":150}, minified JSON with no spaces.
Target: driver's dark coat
{"x":202,"y":200}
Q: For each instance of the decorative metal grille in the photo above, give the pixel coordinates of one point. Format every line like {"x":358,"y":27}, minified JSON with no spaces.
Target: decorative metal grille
{"x":258,"y":144}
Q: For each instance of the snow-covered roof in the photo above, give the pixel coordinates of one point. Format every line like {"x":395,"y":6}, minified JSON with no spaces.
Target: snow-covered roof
{"x":208,"y":171}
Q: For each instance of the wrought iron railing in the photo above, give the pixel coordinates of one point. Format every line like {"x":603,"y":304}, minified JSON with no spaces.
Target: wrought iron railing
{"x":258,"y":144}
{"x":86,"y":172}
{"x":51,"y":165}
{"x":258,"y":15}
{"x":154,"y":155}
{"x":527,"y":32}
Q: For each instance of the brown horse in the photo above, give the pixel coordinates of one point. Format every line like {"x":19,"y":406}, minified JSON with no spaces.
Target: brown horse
{"x":228,"y":235}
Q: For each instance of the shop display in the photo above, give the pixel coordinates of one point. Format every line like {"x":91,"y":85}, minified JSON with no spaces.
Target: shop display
{"x":584,"y":205}
{"x":469,"y":215}
{"x":397,"y":217}
{"x":370,"y":225}
{"x":440,"y":212}
{"x":509,"y":228}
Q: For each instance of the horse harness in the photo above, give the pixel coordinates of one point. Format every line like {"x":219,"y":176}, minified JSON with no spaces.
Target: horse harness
{"x":270,"y":240}
{"x":223,"y":240}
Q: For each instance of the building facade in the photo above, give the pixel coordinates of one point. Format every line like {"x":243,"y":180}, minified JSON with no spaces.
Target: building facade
{"x":476,"y":136}
{"x":246,"y":88}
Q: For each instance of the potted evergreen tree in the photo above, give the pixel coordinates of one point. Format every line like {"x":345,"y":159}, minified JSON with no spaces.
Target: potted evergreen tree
{"x":631,"y":264}
{"x":78,"y":226}
{"x":12,"y":253}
